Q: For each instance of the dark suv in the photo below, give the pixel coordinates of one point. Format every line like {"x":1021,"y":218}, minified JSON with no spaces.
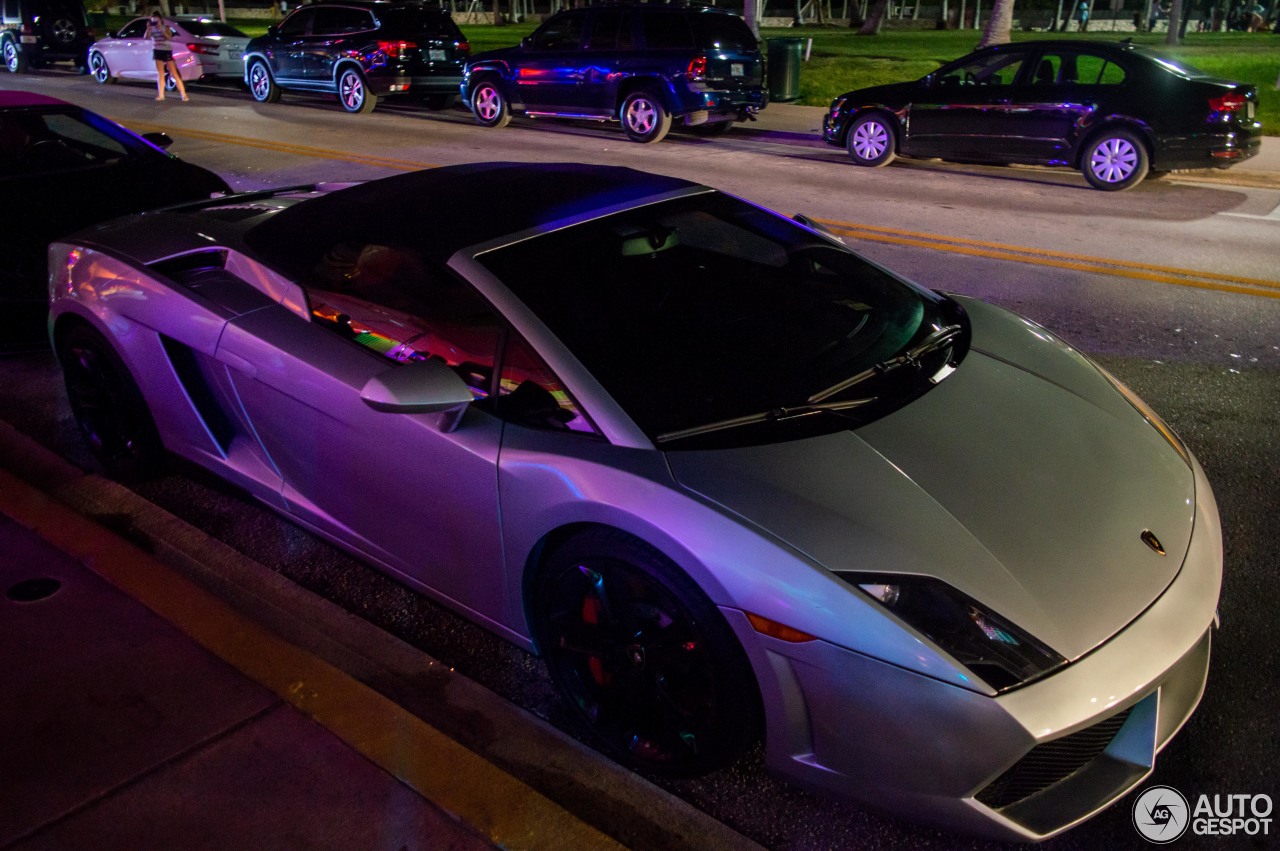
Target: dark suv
{"x":35,"y":32}
{"x":359,"y":50}
{"x":639,"y":64}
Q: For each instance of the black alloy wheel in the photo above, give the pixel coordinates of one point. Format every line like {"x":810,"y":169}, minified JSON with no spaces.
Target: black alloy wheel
{"x":108,"y":407}
{"x":645,"y":658}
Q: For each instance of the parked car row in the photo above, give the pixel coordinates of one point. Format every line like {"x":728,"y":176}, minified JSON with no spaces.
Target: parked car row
{"x":1113,"y":110}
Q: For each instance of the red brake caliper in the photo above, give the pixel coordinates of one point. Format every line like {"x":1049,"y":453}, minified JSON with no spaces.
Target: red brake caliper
{"x":591,"y":615}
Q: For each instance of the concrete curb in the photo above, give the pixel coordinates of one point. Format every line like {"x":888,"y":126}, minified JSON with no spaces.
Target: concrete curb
{"x":618,"y":803}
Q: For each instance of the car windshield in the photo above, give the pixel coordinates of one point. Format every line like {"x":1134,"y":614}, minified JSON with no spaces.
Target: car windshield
{"x":698,"y":310}
{"x":415,"y":20}
{"x":723,"y":32}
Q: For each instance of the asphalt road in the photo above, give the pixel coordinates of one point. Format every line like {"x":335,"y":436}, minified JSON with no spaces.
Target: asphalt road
{"x":1173,"y":287}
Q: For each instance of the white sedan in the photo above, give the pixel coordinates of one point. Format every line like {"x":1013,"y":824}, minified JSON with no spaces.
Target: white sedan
{"x":202,"y":47}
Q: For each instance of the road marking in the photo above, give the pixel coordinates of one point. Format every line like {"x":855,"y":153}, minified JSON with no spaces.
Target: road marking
{"x":1061,"y":260}
{"x":956,"y":245}
{"x":1273,"y":216}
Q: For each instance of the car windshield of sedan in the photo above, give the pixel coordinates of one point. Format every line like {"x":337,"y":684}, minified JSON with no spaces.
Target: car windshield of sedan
{"x":701,"y":309}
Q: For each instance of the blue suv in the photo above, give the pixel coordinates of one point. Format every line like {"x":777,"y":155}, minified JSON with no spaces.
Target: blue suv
{"x":643,"y":65}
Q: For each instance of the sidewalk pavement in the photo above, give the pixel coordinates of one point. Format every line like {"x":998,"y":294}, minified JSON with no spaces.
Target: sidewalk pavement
{"x":1261,"y":171}
{"x":165,"y":692}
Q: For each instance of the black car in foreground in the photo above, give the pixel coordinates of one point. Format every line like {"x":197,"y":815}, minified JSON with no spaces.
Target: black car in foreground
{"x":360,"y":50}
{"x":63,"y":168}
{"x":644,"y":65}
{"x":1114,"y":110}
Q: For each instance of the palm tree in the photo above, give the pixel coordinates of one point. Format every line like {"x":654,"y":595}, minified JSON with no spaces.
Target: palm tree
{"x":999,"y":29}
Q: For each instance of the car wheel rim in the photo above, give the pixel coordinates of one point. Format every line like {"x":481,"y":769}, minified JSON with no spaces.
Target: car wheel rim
{"x":487,"y":105}
{"x":1114,"y":161}
{"x":635,"y":661}
{"x":870,"y":140}
{"x":258,"y":82}
{"x":98,"y":67}
{"x":64,"y":30}
{"x":641,"y":116}
{"x":99,"y":410}
{"x":10,"y":56}
{"x":352,"y":91}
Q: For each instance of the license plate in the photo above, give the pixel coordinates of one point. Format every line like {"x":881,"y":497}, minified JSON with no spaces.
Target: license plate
{"x":435,"y":55}
{"x":736,"y":70}
{"x":28,"y":39}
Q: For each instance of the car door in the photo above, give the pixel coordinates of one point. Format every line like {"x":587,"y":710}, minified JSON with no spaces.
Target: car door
{"x":287,"y":54}
{"x":129,"y":53}
{"x":965,"y":110}
{"x":1056,"y":98}
{"x":607,"y":53}
{"x":338,"y":31}
{"x":551,"y":70}
{"x":409,"y":490}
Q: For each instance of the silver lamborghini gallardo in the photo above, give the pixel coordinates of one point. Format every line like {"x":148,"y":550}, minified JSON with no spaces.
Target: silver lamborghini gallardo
{"x":727,"y":477}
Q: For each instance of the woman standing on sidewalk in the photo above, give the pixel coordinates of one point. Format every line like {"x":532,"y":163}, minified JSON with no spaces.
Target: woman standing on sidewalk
{"x":162,"y":53}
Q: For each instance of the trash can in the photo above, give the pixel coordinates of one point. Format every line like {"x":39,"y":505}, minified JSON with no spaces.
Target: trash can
{"x":784,"y":68}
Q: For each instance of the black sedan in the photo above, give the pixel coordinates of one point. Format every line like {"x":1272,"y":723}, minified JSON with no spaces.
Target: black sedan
{"x":63,"y":168}
{"x":1114,"y":110}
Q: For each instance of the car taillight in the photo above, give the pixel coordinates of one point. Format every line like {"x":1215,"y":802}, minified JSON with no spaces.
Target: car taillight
{"x":1231,"y":102}
{"x":697,"y":68}
{"x":397,"y":49}
{"x":464,"y":47}
{"x":207,"y":49}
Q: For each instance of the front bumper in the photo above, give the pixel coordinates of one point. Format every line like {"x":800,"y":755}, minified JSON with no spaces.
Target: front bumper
{"x":846,"y":724}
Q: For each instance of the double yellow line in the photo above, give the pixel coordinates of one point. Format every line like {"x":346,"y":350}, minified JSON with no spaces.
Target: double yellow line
{"x":956,"y":245}
{"x":1061,"y":260}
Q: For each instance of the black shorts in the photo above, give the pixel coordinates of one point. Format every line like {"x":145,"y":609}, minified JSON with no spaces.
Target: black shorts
{"x":161,"y":55}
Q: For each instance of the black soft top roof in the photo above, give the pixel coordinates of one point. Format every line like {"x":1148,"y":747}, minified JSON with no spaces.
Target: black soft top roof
{"x":441,"y":210}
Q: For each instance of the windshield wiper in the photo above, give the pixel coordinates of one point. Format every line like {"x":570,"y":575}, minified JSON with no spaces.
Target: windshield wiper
{"x":771,"y":416}
{"x":911,"y":357}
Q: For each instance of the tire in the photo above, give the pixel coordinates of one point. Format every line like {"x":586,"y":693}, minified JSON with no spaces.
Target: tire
{"x":353,"y":92}
{"x":871,"y":140}
{"x":440,"y":101}
{"x":644,"y":657}
{"x":644,"y":118}
{"x":108,"y":407}
{"x":99,"y":69}
{"x":14,"y":59}
{"x":261,"y":84}
{"x":1115,"y":160}
{"x":489,"y":105}
{"x":62,"y":31}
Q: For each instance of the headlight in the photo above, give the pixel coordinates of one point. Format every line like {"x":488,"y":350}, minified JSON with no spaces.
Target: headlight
{"x":837,"y":106}
{"x":995,"y":650}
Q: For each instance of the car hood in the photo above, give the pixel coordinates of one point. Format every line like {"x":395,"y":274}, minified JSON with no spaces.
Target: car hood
{"x":891,"y":94}
{"x":1024,"y":480}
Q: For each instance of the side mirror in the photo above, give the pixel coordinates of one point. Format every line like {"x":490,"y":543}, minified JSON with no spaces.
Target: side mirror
{"x":813,"y":224}
{"x":274,"y":29}
{"x":422,"y":387}
{"x":160,"y":140}
{"x":526,"y":42}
